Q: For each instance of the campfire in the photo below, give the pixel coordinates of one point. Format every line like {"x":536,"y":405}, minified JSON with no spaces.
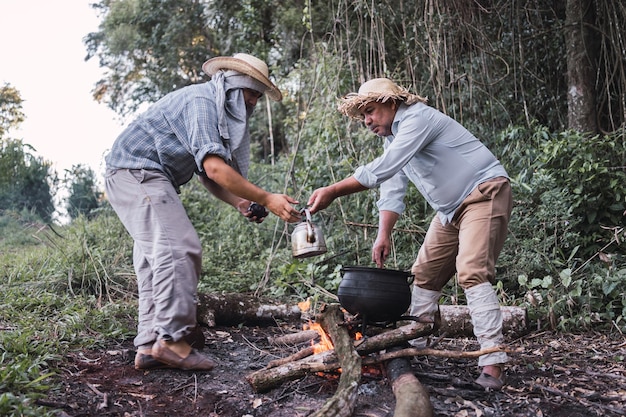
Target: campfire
{"x":336,"y":348}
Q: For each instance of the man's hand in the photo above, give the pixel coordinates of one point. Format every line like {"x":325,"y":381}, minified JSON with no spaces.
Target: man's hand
{"x":320,"y":199}
{"x":381,"y":250}
{"x":282,"y":206}
{"x":382,"y":244}
{"x":256,"y":213}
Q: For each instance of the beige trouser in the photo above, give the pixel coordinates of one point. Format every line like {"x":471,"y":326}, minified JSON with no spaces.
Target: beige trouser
{"x":468,"y":246}
{"x":167,"y":252}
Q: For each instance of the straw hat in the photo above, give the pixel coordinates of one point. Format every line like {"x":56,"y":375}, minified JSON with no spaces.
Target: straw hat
{"x":245,"y":64}
{"x":377,"y":89}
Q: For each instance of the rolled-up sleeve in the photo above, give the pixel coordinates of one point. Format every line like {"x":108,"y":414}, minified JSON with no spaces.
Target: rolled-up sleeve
{"x":392,"y":193}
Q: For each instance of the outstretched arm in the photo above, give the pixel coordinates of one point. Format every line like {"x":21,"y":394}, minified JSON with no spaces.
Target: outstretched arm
{"x":236,"y":186}
{"x":322,"y":197}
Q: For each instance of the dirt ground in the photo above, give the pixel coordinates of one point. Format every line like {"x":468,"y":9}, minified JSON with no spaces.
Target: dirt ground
{"x":555,"y":375}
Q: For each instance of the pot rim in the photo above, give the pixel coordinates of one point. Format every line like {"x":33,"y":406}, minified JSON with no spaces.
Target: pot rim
{"x":375,"y":269}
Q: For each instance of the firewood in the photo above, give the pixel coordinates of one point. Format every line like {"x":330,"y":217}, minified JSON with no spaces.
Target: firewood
{"x":266,"y":379}
{"x":412,"y":399}
{"x":454,"y":354}
{"x":394,"y":337}
{"x":303,"y":353}
{"x":294,"y":338}
{"x":342,"y":403}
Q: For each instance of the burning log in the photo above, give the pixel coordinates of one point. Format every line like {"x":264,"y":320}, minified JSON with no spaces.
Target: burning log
{"x":301,"y":354}
{"x":412,"y":399}
{"x":342,"y":402}
{"x":265,"y":379}
{"x":394,"y":337}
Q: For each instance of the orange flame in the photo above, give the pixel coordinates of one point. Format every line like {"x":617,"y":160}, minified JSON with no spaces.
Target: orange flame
{"x":325,"y":343}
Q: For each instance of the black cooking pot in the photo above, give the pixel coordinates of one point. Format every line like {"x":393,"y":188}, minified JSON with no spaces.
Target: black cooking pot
{"x":375,"y":294}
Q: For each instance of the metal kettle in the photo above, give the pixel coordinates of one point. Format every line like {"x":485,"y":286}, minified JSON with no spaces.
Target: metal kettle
{"x":307,"y":238}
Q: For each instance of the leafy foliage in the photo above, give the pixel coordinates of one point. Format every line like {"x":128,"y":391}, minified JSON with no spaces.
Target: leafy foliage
{"x":43,"y":315}
{"x":11,"y":112}
{"x":152,"y":47}
{"x":84,"y":194}
{"x":26,"y":181}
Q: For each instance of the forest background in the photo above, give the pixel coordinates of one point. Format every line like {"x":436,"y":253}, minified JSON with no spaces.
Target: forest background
{"x":541,"y":83}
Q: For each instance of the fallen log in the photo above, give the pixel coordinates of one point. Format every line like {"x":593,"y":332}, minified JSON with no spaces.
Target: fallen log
{"x":456,"y":321}
{"x":342,"y":403}
{"x":412,"y":399}
{"x":234,"y":309}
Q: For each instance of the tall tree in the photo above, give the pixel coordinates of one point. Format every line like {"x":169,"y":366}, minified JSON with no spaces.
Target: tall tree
{"x":488,"y":63}
{"x":582,"y":65}
{"x":150,"y":47}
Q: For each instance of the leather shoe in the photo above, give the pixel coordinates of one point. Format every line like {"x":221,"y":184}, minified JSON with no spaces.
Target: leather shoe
{"x":145,"y":361}
{"x":193,"y":362}
{"x":490,"y":382}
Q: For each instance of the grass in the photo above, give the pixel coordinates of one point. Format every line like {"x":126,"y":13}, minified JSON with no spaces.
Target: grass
{"x":43,"y":316}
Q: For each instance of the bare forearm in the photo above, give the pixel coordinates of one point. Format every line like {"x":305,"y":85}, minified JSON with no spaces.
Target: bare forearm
{"x":220,"y":192}
{"x":232,"y":182}
{"x":387,"y":220}
{"x":322,"y":197}
{"x":235,"y":186}
{"x":346,"y":186}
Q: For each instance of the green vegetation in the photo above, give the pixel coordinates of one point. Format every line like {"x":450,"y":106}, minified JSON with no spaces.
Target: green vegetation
{"x":55,"y":300}
{"x":72,"y":287}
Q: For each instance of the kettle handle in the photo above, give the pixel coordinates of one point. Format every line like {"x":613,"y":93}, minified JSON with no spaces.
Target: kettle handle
{"x":310,"y":234}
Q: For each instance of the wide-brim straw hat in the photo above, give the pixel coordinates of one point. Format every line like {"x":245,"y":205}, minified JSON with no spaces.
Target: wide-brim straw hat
{"x":379,"y":90}
{"x":245,"y":64}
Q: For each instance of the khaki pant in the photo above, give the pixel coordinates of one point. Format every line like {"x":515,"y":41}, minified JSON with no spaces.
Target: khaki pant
{"x":167,"y":252}
{"x":468,"y":246}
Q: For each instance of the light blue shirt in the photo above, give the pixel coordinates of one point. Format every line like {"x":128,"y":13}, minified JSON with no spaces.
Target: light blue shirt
{"x":437,"y":154}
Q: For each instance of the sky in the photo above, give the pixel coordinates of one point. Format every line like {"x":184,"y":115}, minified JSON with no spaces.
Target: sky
{"x":42,"y":55}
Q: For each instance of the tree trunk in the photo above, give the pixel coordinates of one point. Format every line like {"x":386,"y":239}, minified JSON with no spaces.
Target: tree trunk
{"x":581,"y":65}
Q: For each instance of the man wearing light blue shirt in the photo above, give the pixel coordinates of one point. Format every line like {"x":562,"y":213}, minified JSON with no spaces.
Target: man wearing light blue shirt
{"x":461,"y":180}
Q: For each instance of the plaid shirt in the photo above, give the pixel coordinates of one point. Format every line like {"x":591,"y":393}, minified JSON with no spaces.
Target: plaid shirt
{"x":173,"y":136}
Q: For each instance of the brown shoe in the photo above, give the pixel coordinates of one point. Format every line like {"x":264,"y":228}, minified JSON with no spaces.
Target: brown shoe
{"x":490,"y":382}
{"x":145,"y":361}
{"x":193,"y":362}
